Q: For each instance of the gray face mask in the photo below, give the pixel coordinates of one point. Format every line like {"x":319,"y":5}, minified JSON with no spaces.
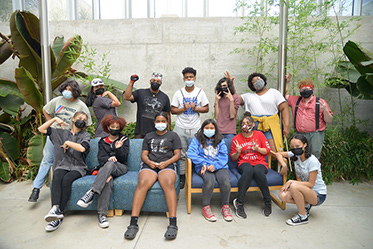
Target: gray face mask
{"x":259,"y":84}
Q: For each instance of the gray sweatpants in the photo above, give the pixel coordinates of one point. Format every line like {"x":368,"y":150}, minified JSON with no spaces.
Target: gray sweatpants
{"x":103,"y":188}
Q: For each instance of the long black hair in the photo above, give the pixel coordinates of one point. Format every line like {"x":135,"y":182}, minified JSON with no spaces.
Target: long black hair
{"x":216,"y":139}
{"x":303,"y":139}
{"x":221,"y":81}
{"x":90,"y":98}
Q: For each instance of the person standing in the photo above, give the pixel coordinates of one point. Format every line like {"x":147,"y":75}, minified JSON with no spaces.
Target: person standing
{"x":310,"y":115}
{"x":187,"y":103}
{"x":149,"y":102}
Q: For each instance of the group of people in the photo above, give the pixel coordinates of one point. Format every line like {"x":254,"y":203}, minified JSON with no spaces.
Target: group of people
{"x":68,"y":144}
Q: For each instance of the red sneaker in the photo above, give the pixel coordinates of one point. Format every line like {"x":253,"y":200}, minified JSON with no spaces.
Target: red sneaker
{"x":206,"y":212}
{"x":226,"y":213}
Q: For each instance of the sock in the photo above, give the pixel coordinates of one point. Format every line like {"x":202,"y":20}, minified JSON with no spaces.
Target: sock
{"x":134,"y":220}
{"x":303,"y":216}
{"x":173,"y":221}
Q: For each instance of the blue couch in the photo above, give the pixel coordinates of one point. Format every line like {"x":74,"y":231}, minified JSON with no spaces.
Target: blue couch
{"x":193,"y":182}
{"x":124,"y":186}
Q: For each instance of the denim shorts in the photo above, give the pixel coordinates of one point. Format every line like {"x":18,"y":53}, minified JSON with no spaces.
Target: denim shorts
{"x":144,"y":166}
{"x":320,"y":198}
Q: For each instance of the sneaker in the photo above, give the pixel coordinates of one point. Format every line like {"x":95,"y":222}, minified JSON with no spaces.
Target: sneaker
{"x":86,"y":199}
{"x":53,"y":225}
{"x":182,"y":181}
{"x":226,"y":213}
{"x":53,"y":214}
{"x":308,"y":208}
{"x":102,"y":221}
{"x":297,"y":220}
{"x":34,"y":195}
{"x":267,"y":209}
{"x":240,"y":210}
{"x":207,"y":213}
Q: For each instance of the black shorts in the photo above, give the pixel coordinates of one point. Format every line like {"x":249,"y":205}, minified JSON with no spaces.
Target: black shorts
{"x":144,"y":166}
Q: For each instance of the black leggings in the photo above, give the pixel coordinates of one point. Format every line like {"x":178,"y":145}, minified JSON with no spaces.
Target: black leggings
{"x":61,"y":186}
{"x":248,"y":172}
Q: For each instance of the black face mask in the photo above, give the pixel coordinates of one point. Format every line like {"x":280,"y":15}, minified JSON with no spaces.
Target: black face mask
{"x":297,"y":151}
{"x":80,"y":123}
{"x":100,"y":91}
{"x":223,"y":91}
{"x":155,"y":86}
{"x":306,"y":93}
{"x":114,"y":132}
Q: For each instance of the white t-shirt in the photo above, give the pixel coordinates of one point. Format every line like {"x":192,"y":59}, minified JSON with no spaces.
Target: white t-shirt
{"x":266,"y":104}
{"x":303,"y":170}
{"x":189,"y":119}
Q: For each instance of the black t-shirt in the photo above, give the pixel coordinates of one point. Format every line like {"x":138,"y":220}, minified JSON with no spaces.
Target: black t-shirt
{"x":147,"y":106}
{"x":161,"y":148}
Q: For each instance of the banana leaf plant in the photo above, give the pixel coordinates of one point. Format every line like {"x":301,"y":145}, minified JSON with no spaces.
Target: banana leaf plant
{"x":24,"y":44}
{"x":356,"y":75}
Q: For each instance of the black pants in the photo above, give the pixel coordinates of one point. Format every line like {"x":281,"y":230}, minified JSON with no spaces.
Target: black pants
{"x":248,"y":172}
{"x":61,"y":186}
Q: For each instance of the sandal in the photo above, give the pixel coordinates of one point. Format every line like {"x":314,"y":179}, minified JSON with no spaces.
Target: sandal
{"x":171,"y":232}
{"x":131,"y":232}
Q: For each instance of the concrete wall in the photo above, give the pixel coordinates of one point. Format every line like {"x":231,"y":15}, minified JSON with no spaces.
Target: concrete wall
{"x":167,"y":45}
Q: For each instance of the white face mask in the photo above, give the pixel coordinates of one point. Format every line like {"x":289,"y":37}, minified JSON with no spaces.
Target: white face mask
{"x":160,"y":126}
{"x":189,"y":83}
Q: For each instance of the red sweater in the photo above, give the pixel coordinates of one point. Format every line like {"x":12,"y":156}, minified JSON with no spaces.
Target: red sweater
{"x":248,"y":155}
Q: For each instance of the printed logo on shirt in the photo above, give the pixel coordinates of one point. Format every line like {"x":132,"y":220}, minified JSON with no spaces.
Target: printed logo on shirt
{"x":190,"y":100}
{"x":210,"y":151}
{"x":65,"y":113}
{"x":158,"y":145}
{"x":152,"y":106}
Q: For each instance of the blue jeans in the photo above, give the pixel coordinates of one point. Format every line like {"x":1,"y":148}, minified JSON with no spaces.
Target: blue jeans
{"x":45,"y":165}
{"x":229,"y":136}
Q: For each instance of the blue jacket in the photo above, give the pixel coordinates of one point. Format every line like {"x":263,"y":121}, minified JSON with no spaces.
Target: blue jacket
{"x":218,"y":157}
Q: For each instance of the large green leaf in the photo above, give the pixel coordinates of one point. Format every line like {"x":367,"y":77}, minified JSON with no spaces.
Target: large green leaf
{"x":10,"y":145}
{"x":57,"y":45}
{"x":5,"y":172}
{"x":10,"y":104}
{"x":365,"y":87}
{"x":68,"y":55}
{"x":347,"y":70}
{"x":28,"y":89}
{"x":5,"y":52}
{"x":356,"y":56}
{"x":9,"y":87}
{"x":35,"y":150}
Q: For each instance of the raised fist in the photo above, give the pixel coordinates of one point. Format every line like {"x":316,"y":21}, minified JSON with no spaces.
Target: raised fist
{"x":134,"y":77}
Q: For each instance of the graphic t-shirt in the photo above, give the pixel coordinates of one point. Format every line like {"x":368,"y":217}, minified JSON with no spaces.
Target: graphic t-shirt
{"x":248,"y":155}
{"x":161,"y":148}
{"x":148,"y":104}
{"x":189,"y":119}
{"x":65,"y":110}
{"x":101,"y":108}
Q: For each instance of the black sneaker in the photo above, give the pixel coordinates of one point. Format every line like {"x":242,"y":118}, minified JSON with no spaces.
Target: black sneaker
{"x":308,"y":208}
{"x":102,"y":221}
{"x":34,"y":195}
{"x":240,"y":210}
{"x":87,"y":199}
{"x":297,"y":220}
{"x":182,"y":181}
{"x":267,"y":209}
{"x":53,"y":225}
{"x":53,"y":214}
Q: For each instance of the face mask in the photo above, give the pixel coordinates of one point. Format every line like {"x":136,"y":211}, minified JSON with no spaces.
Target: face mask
{"x":297,"y":151}
{"x":100,"y":91}
{"x":306,"y":93}
{"x":259,"y":84}
{"x":208,"y":133}
{"x":189,"y":83}
{"x":114,"y":132}
{"x":155,"y":86}
{"x":160,"y":126}
{"x":67,"y":94}
{"x":80,"y":123}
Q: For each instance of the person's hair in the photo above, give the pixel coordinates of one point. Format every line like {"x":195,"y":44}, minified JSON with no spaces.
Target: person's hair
{"x":75,"y":88}
{"x":163,"y":114}
{"x":306,"y":82}
{"x":246,"y":115}
{"x":303,"y":139}
{"x":252,"y":76}
{"x":221,"y":81}
{"x":90,"y":98}
{"x":189,"y":70}
{"x":216,"y":139}
{"x":110,"y":119}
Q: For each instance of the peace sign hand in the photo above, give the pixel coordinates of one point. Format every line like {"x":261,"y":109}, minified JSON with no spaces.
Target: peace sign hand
{"x":238,"y":147}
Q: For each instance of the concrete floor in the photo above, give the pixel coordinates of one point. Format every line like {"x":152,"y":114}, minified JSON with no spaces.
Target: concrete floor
{"x":345,"y":220}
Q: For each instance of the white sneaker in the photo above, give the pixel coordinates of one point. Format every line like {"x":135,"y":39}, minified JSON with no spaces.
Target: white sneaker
{"x":53,"y":225}
{"x":53,"y":214}
{"x":86,"y":199}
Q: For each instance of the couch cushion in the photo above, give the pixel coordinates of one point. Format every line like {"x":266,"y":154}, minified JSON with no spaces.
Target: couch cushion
{"x":91,"y":159}
{"x":134,"y":156}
